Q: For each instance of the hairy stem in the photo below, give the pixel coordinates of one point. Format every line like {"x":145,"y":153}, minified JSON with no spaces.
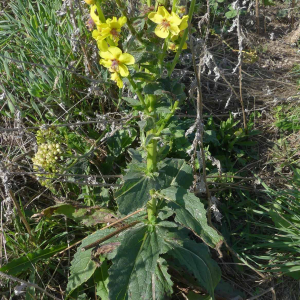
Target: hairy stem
{"x":100,"y":12}
{"x":163,"y":54}
{"x":152,"y":156}
{"x":174,"y":5}
{"x":138,"y":93}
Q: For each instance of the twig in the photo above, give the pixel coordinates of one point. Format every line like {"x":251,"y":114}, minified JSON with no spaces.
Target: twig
{"x":241,"y":97}
{"x":109,"y":225}
{"x":257,"y":15}
{"x":271,"y":289}
{"x":96,"y":243}
{"x":10,"y":277}
{"x":200,"y":120}
{"x":292,"y":16}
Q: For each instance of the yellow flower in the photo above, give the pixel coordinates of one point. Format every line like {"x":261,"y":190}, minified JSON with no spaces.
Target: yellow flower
{"x":116,"y":61}
{"x":115,"y":77}
{"x":112,"y":28}
{"x":167,"y":23}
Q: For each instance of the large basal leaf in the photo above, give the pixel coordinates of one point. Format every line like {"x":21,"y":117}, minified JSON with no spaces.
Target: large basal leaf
{"x":82,"y":265}
{"x":134,"y":193}
{"x":175,"y":172}
{"x":101,"y":281}
{"x":163,"y":282}
{"x":88,"y":216}
{"x":24,"y":263}
{"x":133,"y":273}
{"x":196,"y":259}
{"x":190,"y":212}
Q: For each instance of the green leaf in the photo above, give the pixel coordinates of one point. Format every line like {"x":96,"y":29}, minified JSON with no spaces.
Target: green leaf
{"x":211,"y":137}
{"x":30,"y":291}
{"x":196,"y":258}
{"x":132,"y":102}
{"x":143,"y":76}
{"x":190,"y":213}
{"x":134,"y":193}
{"x":163,"y":280}
{"x":36,"y":108}
{"x":231,"y":14}
{"x":176,"y":172}
{"x":24,"y":263}
{"x":101,"y":280}
{"x":120,"y":140}
{"x":132,"y":275}
{"x":82,"y":265}
{"x":88,"y":216}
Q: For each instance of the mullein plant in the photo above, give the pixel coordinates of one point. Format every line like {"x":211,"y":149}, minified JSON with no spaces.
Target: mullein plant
{"x":155,"y":203}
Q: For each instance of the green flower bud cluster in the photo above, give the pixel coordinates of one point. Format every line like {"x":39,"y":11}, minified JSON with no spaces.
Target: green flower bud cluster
{"x":47,"y":157}
{"x":45,"y":135}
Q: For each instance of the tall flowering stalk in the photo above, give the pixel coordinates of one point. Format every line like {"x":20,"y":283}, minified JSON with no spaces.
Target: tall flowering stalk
{"x":152,"y":182}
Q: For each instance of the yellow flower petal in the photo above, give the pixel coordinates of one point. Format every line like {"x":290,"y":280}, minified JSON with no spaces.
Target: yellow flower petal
{"x":174,"y":19}
{"x":102,"y":45}
{"x":103,"y":26}
{"x":174,"y":29}
{"x":94,"y":16}
{"x":115,"y":77}
{"x":115,"y":25}
{"x":156,"y":18}
{"x":123,"y":70}
{"x":163,"y":12}
{"x":184,"y":23}
{"x":105,"y":63}
{"x":126,"y":59}
{"x":115,"y":51}
{"x":161,"y":31}
{"x":107,"y":54}
{"x":122,"y":21}
{"x":95,"y":34}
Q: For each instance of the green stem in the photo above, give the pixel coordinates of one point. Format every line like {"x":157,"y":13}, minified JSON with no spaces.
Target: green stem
{"x":100,"y":12}
{"x":149,"y":3}
{"x":130,"y":27}
{"x":183,"y":39}
{"x":174,"y":5}
{"x":162,"y":56}
{"x":139,"y":94}
{"x":169,"y":116}
{"x":152,"y":156}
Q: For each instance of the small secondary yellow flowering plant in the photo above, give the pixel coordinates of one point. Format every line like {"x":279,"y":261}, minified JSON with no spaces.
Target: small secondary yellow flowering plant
{"x":153,"y":185}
